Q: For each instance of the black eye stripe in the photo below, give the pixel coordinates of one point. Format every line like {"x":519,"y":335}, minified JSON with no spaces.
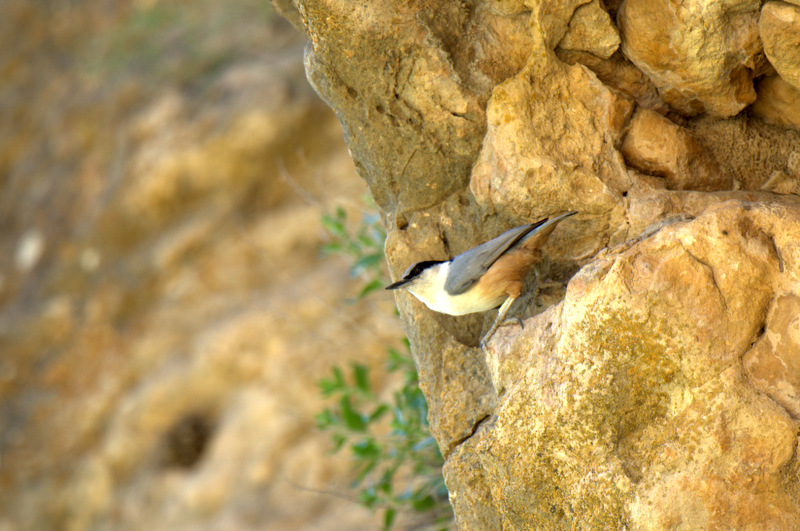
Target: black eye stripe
{"x":419,"y":267}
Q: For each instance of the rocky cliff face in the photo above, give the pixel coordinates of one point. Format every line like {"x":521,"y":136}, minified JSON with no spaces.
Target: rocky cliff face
{"x":655,"y":384}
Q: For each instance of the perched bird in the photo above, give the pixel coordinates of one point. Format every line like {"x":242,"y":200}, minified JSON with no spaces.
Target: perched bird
{"x":483,"y":278}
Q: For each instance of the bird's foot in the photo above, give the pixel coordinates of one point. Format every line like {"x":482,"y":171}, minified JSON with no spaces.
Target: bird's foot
{"x":513,"y":320}
{"x":495,"y":326}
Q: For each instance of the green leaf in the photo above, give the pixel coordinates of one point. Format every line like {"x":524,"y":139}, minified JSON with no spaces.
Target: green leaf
{"x":368,"y":497}
{"x":369,"y":260}
{"x":385,"y":482}
{"x":365,"y":240}
{"x":332,"y":248}
{"x":338,"y":376}
{"x":324,"y":419}
{"x":366,"y":449}
{"x":338,"y":441}
{"x":388,"y":519}
{"x":423,"y":504}
{"x":367,"y":468}
{"x":361,"y":378}
{"x":328,"y":386}
{"x":352,"y":419}
{"x":334,"y":226}
{"x":399,"y":417}
{"x":400,"y":360}
{"x":380,"y":411}
{"x":370,"y":287}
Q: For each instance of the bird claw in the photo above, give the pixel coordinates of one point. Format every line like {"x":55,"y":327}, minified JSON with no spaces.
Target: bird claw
{"x":513,"y":320}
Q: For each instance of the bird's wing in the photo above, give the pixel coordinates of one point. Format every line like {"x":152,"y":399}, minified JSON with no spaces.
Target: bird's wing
{"x":468,"y":267}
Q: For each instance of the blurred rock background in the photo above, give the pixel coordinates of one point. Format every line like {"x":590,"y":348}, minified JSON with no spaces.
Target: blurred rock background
{"x":165,"y":310}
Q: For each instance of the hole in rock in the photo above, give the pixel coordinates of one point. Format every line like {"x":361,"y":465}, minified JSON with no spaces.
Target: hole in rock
{"x":186,"y":441}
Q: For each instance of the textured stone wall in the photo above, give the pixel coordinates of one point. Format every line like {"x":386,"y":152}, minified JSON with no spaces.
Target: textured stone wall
{"x":655,"y":383}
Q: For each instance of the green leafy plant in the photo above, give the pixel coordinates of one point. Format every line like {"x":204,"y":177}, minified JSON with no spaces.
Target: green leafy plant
{"x":397,"y":462}
{"x":364,"y":245}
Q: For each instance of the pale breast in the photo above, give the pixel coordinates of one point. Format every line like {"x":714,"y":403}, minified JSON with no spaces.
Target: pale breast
{"x":430,"y":290}
{"x":470,"y":302}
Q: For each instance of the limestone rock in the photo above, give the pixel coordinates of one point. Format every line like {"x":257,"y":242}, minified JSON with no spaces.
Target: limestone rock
{"x":779,"y":26}
{"x":424,"y":106}
{"x":550,"y":20}
{"x":498,"y":47}
{"x":782,"y":183}
{"x":656,"y":145}
{"x":402,"y":101}
{"x":749,"y":149}
{"x":636,"y":376}
{"x":623,"y":400}
{"x":773,"y":364}
{"x":620,"y":74}
{"x":538,"y":159}
{"x":470,"y":494}
{"x":700,"y":55}
{"x":508,"y":7}
{"x":288,"y":10}
{"x":591,"y":30}
{"x":777,"y":101}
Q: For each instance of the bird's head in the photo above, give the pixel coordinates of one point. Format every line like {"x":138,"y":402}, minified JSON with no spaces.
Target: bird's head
{"x":415,"y":273}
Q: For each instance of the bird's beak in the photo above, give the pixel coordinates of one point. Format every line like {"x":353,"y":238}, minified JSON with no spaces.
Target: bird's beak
{"x":399,"y":284}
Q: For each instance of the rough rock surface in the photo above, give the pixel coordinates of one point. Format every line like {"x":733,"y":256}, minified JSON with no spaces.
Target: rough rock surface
{"x":773,"y":363}
{"x":656,"y":145}
{"x":777,"y":102}
{"x":652,"y":385}
{"x":699,"y":54}
{"x":637,"y":375}
{"x":418,"y":120}
{"x":620,"y":74}
{"x":779,"y":27}
{"x":749,"y":150}
{"x":591,"y":30}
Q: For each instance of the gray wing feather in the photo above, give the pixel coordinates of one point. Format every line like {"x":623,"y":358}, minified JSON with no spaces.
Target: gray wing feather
{"x":467,"y":268}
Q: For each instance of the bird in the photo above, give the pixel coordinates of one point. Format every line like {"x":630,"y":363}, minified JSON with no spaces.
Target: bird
{"x":484,"y":277}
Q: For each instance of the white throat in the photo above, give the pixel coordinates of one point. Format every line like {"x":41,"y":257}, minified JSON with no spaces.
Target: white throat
{"x":429,"y":288}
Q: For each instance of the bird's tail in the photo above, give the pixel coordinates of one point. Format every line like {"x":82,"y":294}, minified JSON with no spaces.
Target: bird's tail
{"x":538,"y":237}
